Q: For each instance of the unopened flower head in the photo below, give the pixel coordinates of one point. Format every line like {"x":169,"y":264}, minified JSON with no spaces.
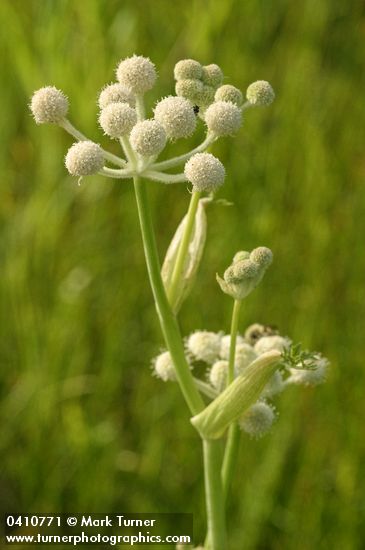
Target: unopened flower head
{"x":115,"y":93}
{"x":84,"y":158}
{"x":242,"y":276}
{"x":204,"y":345}
{"x":212,"y":75}
{"x":176,"y":115}
{"x":258,"y":420}
{"x":49,"y":105}
{"x":191,"y":89}
{"x":241,"y":255}
{"x":117,"y":119}
{"x":187,"y":69}
{"x":163,"y":367}
{"x":268,"y":343}
{"x":218,"y":375}
{"x":230,"y":93}
{"x":245,"y":354}
{"x":148,"y":137}
{"x":223,"y":118}
{"x":205,"y":172}
{"x":226,"y":345}
{"x":260,"y":93}
{"x":262,"y":256}
{"x":137,"y":73}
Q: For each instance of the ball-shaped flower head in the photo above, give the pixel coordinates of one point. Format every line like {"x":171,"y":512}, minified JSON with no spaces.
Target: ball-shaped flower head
{"x":49,"y":105}
{"x":223,"y":118}
{"x":212,"y":75}
{"x":260,"y":93}
{"x":269,"y":343}
{"x":227,"y":92}
{"x":204,"y":345}
{"x":176,"y":115}
{"x":115,"y":93}
{"x":245,"y":354}
{"x":218,"y":375}
{"x":205,"y":172}
{"x":163,"y":367}
{"x":187,"y":69}
{"x":137,"y":73}
{"x":191,"y":89}
{"x":84,"y":158}
{"x":148,"y":138}
{"x":226,"y":345}
{"x":262,"y":256}
{"x":257,"y":421}
{"x":117,"y":119}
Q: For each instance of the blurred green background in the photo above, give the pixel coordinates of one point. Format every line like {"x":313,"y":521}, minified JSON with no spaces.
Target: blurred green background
{"x":84,"y":426}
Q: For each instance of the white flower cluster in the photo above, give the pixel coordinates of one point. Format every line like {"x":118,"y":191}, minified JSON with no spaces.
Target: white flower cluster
{"x":213,"y":349}
{"x":200,"y":92}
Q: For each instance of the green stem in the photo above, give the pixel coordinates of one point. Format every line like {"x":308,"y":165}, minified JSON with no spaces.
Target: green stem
{"x":216,"y":537}
{"x":233,"y":438}
{"x":168,"y":321}
{"x":233,"y":340}
{"x":184,"y":247}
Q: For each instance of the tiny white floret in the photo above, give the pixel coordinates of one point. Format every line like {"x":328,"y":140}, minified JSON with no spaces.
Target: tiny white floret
{"x":115,"y":93}
{"x":163,"y":367}
{"x":258,"y":420}
{"x":223,"y":118}
{"x":205,"y":172}
{"x":204,"y":345}
{"x":176,"y":115}
{"x":117,"y":119}
{"x":84,"y":158}
{"x":269,"y":343}
{"x":218,"y":375}
{"x":148,"y":137}
{"x":137,"y":73}
{"x":49,"y":105}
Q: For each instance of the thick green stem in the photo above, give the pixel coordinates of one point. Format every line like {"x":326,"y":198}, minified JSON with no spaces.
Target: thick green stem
{"x":184,"y":247}
{"x":216,"y":537}
{"x":168,"y":321}
{"x":233,"y":438}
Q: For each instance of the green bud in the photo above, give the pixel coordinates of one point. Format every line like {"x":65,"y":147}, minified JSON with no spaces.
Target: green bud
{"x":230,"y":405}
{"x":193,"y":258}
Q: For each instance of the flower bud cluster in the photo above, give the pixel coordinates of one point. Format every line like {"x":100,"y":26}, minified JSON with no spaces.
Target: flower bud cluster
{"x":197,"y":83}
{"x":245,"y":272}
{"x":254,"y":348}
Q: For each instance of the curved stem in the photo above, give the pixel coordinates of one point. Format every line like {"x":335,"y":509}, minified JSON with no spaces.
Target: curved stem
{"x":182,"y":158}
{"x":168,"y":321}
{"x":164,"y":178}
{"x":183,"y":248}
{"x":116,"y":174}
{"x":233,"y":438}
{"x":66,"y":125}
{"x":216,"y":536}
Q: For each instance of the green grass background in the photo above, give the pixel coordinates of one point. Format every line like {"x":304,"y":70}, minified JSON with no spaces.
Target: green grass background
{"x":84,"y":426}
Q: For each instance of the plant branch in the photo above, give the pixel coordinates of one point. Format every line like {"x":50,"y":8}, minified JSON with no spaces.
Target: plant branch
{"x":170,"y":163}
